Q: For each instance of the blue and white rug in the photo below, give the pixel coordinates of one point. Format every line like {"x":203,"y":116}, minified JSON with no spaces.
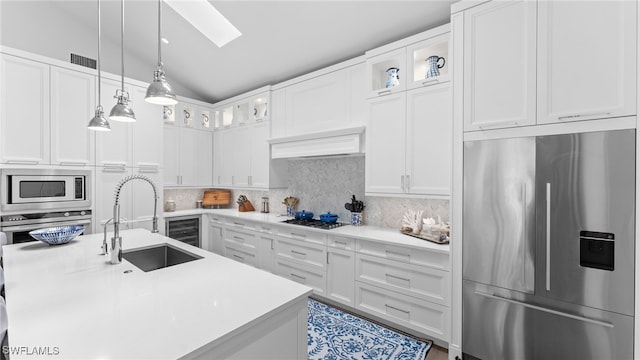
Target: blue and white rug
{"x":333,"y":335}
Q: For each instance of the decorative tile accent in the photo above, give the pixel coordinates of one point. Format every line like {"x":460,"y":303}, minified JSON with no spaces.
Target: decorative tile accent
{"x":326,"y":184}
{"x":334,"y":334}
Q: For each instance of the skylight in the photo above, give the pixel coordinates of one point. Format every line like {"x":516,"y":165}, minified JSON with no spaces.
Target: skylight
{"x":207,"y":19}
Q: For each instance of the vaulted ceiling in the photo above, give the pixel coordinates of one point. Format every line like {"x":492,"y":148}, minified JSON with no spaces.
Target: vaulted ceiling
{"x":280,"y":39}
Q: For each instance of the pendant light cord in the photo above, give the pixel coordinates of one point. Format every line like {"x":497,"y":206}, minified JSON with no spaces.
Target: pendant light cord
{"x":122,"y":43}
{"x":159,"y":32}
{"x":99,"y":79}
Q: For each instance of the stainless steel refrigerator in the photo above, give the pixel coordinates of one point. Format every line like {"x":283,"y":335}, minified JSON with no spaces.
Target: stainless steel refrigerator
{"x":548,"y":247}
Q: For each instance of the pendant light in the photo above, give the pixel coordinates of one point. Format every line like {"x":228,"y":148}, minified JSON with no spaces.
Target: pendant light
{"x":159,"y":91}
{"x":99,"y":123}
{"x":121,"y":111}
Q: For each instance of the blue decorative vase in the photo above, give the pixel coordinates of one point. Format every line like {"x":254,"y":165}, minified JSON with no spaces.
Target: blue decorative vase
{"x":434,"y":65}
{"x":394,"y":77}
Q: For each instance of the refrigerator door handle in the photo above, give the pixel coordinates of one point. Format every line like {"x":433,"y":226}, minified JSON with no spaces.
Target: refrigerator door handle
{"x":550,"y":311}
{"x":548,"y":239}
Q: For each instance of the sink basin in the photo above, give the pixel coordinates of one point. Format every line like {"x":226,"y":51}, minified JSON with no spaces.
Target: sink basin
{"x":158,"y":257}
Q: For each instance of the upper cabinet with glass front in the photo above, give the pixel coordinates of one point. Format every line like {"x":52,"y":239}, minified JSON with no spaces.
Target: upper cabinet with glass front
{"x":242,"y":109}
{"x":413,"y":62}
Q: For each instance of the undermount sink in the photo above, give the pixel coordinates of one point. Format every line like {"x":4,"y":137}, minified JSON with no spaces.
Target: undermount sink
{"x":158,"y":257}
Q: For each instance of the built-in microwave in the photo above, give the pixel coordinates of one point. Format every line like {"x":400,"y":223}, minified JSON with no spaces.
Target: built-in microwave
{"x":43,"y":189}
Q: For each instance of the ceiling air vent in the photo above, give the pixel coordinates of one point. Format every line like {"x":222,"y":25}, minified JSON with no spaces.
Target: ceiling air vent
{"x":83,"y":61}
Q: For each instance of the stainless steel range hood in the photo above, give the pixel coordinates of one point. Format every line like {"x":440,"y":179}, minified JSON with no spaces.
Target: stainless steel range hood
{"x":328,"y":143}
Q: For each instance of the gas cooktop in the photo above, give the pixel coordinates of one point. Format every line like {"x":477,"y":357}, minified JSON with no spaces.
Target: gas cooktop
{"x":318,"y":224}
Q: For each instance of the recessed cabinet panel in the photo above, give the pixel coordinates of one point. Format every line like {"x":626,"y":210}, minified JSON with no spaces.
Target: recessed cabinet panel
{"x":586,"y":60}
{"x":171,"y":148}
{"x":24,"y":111}
{"x":500,"y":65}
{"x":147,"y":130}
{"x":142,"y":196}
{"x":188,"y":159}
{"x":429,"y":139}
{"x":316,"y":105}
{"x":107,"y":178}
{"x":204,"y":158}
{"x":73,"y":99}
{"x":385,"y":160}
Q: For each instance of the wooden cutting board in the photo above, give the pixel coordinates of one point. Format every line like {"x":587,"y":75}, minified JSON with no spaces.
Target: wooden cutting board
{"x":216,"y":197}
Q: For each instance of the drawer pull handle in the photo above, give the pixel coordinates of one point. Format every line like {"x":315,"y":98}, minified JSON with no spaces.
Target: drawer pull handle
{"x":398,"y":277}
{"x":343,"y":243}
{"x":238,"y":257}
{"x":239,"y":224}
{"x":300,"y":235}
{"x":392,"y":253}
{"x":298,"y":252}
{"x":238,"y":238}
{"x":575,"y":116}
{"x":395,"y":308}
{"x":432,"y":81}
{"x":298,"y":276}
{"x":384,"y":92}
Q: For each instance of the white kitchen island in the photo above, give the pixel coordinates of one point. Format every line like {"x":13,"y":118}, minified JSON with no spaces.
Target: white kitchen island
{"x":68,"y":302}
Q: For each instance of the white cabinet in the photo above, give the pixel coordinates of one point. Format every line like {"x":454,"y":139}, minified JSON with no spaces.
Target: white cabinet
{"x":329,"y":99}
{"x":147,"y":131}
{"x":407,"y":286}
{"x":214,"y":240}
{"x":204,"y":158}
{"x":266,"y":251}
{"x":188,"y":158}
{"x":341,"y":270}
{"x":107,"y":178}
{"x":528,"y":62}
{"x":410,"y":133}
{"x":240,"y":158}
{"x":386,"y":128}
{"x":586,"y":60}
{"x":429,"y":140}
{"x":24,"y":111}
{"x":261,"y":156}
{"x":73,"y":103}
{"x":500,"y":65}
{"x":301,"y":256}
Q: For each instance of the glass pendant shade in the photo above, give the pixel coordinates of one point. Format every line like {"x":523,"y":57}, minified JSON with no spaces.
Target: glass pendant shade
{"x":99,"y":122}
{"x":159,"y":91}
{"x":122,"y":111}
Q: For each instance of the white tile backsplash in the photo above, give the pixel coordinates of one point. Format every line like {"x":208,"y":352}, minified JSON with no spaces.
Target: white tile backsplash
{"x":326,"y":184}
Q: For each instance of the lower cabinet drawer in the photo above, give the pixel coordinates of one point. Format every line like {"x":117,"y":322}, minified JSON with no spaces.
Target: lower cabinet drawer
{"x":241,"y":255}
{"x":302,"y":252}
{"x":420,"y":315}
{"x":303,"y":275}
{"x":418,"y":281}
{"x":241,"y":238}
{"x":423,"y":257}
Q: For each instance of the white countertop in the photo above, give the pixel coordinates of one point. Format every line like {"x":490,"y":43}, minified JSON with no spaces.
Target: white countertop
{"x":366,"y":232}
{"x":70,"y":298}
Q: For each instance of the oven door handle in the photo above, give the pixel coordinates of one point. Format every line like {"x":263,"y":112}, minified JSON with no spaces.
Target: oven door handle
{"x":44,"y":225}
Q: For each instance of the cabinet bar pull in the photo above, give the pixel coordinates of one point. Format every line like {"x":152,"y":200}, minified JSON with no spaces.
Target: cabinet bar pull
{"x":24,"y":162}
{"x":298,"y":276}
{"x":298,"y":252}
{"x":397,"y":254}
{"x":238,"y":238}
{"x":491,"y":124}
{"x":384,"y":92}
{"x":238,"y":257}
{"x":555,"y":312}
{"x":402,"y":182}
{"x":548,"y":239}
{"x":249,"y":180}
{"x":232,"y":179}
{"x":398,"y":277}
{"x":300,"y":235}
{"x":271,"y":244}
{"x":432,"y":81}
{"x":73,"y":163}
{"x":239,"y":224}
{"x":408,"y":179}
{"x":343,"y":243}
{"x":575,"y":116}
{"x":327,"y":258}
{"x":395,"y":308}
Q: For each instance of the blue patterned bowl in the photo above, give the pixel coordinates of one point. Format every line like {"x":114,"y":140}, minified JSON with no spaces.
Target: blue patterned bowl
{"x":57,"y":235}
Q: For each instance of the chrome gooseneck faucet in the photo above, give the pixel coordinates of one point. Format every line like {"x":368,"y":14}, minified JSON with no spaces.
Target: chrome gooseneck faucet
{"x":116,"y":240}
